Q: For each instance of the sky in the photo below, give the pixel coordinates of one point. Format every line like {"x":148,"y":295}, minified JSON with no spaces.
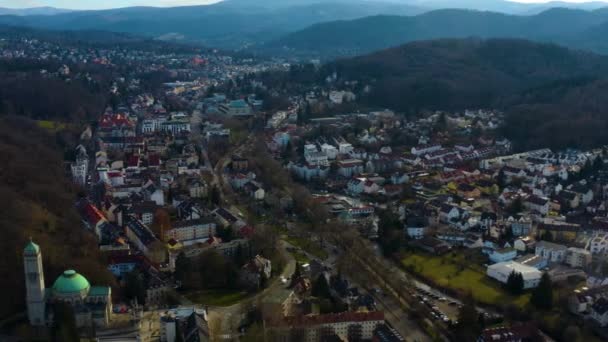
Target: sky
{"x":99,"y":4}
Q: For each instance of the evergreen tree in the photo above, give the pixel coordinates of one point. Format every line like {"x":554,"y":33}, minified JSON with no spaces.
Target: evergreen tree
{"x":515,"y":283}
{"x":542,"y":295}
{"x":64,"y":328}
{"x":320,"y":288}
{"x":516,"y":206}
{"x":598,"y":163}
{"x":263,"y":280}
{"x":297,"y":273}
{"x":215,"y":196}
{"x":468,"y":328}
{"x":183,"y":266}
{"x":501,"y":180}
{"x":135,"y":287}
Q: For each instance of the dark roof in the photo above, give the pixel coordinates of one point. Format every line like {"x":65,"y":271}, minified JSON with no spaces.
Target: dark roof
{"x":383,"y":333}
{"x":600,"y":306}
{"x":465,"y":187}
{"x":446,"y":208}
{"x":226,"y":215}
{"x":417,"y":221}
{"x":489,"y":216}
{"x":143,"y":233}
{"x":188,"y":223}
{"x":537,"y":200}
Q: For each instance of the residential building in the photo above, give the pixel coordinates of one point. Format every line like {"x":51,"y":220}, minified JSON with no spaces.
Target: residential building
{"x":191,"y":230}
{"x":578,"y":257}
{"x":350,"y":167}
{"x":252,"y":273}
{"x":237,"y":108}
{"x":552,"y":252}
{"x":145,"y":241}
{"x":559,"y":230}
{"x":189,"y":323}
{"x":598,"y":244}
{"x":503,"y":254}
{"x":599,"y":311}
{"x":319,"y":327}
{"x":416,"y":226}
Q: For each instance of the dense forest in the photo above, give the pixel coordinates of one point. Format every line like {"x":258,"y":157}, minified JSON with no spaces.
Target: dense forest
{"x":37,"y":201}
{"x":585,"y":30}
{"x":26,"y":92}
{"x":97,"y":39}
{"x":552,"y":95}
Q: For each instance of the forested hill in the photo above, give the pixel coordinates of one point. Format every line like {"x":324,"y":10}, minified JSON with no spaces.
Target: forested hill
{"x":37,"y":201}
{"x":569,"y":27}
{"x":456,"y":74}
{"x":543,"y":87}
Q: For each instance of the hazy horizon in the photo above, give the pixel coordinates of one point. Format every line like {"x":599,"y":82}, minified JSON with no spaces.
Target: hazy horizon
{"x":92,"y":5}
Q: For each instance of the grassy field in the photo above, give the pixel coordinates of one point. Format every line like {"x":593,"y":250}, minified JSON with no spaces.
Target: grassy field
{"x":301,"y":258}
{"x":216,"y":297}
{"x":462,"y":273}
{"x":308,"y":246}
{"x":51,"y":126}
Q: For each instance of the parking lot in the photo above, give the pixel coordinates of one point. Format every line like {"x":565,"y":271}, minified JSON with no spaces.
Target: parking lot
{"x":441,"y":308}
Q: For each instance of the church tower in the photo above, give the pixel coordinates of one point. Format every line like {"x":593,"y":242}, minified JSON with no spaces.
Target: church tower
{"x":34,"y":284}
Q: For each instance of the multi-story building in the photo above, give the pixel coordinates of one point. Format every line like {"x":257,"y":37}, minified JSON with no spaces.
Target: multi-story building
{"x":552,"y":252}
{"x":578,"y":257}
{"x":191,"y":230}
{"x":235,"y":108}
{"x":349,"y":326}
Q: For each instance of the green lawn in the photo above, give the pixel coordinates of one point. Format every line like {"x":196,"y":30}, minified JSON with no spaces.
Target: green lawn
{"x":301,"y":258}
{"x":216,"y":297}
{"x":52,"y":126}
{"x":462,"y":273}
{"x":308,"y":246}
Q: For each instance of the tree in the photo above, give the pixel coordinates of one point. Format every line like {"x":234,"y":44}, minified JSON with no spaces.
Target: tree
{"x":297,"y":273}
{"x":320,"y":288}
{"x":572,"y":334}
{"x":263,"y":280}
{"x":468,"y":328}
{"x":598,"y":163}
{"x":135,"y":287}
{"x":226,"y":234}
{"x":183,"y":267}
{"x":64,"y":328}
{"x":502,"y":180}
{"x":515,"y":283}
{"x":516,"y":206}
{"x":215,"y":197}
{"x":161,"y":223}
{"x":542,"y":295}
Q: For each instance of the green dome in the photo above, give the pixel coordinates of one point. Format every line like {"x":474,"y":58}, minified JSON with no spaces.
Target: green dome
{"x":71,"y":282}
{"x":31,"y":248}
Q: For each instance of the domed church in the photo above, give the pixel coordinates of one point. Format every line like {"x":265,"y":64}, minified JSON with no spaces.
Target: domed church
{"x":91,"y":304}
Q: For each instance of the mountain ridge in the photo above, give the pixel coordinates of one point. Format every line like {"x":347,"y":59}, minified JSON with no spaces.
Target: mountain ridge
{"x":378,"y":32}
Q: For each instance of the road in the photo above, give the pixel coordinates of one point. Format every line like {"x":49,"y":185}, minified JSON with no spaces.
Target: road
{"x":276,"y":292}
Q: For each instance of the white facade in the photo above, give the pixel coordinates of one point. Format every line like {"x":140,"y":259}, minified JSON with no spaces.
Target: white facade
{"x":551,"y":252}
{"x":577,"y":257}
{"x":502,"y":270}
{"x":191,"y":230}
{"x":34,"y":285}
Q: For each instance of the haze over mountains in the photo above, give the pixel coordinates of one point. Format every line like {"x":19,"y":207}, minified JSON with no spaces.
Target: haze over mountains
{"x":33,"y":11}
{"x":584,"y":30}
{"x":326,"y":25}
